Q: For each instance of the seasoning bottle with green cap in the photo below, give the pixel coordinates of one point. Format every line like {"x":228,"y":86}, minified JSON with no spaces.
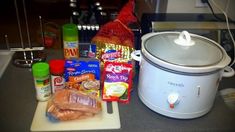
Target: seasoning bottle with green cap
{"x":42,"y":80}
{"x":70,"y":40}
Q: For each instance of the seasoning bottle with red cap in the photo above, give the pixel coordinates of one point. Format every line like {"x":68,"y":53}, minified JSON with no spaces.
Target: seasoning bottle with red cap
{"x":57,"y":74}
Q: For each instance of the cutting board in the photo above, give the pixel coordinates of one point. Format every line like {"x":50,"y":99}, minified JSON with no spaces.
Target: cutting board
{"x":103,"y":120}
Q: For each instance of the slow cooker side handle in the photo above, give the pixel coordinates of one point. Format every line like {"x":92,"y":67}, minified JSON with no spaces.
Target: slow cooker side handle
{"x":136,"y":55}
{"x":228,"y":72}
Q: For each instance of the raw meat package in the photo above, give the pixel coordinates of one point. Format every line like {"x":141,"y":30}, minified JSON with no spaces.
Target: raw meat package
{"x":72,"y":104}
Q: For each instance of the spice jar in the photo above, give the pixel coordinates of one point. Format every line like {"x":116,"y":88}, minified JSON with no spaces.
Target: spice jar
{"x":57,"y":75}
{"x":42,"y":81}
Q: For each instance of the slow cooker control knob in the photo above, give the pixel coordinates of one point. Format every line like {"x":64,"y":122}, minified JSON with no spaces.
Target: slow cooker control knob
{"x":173,"y":99}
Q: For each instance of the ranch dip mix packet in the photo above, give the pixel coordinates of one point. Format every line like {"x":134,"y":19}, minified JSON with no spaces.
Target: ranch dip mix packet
{"x":117,"y":77}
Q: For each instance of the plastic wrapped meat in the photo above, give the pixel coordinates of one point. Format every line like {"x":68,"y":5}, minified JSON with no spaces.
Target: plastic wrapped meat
{"x":55,"y":114}
{"x":76,"y":100}
{"x":72,"y":104}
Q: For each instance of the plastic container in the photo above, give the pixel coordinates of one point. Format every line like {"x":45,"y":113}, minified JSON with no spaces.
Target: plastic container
{"x":57,"y":75}
{"x":70,"y":40}
{"x":42,"y":81}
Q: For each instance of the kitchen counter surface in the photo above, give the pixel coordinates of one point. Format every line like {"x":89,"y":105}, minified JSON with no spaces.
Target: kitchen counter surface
{"x":18,"y":104}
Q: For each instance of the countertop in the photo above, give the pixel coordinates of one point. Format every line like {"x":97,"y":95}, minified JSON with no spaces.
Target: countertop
{"x":18,"y":104}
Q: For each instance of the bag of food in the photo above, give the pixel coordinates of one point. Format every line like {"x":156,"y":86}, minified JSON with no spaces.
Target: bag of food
{"x":117,"y":84}
{"x":115,"y":40}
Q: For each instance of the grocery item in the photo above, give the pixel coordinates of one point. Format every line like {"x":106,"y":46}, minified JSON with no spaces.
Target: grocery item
{"x":81,"y":73}
{"x":57,"y":74}
{"x":115,"y":40}
{"x":87,"y":50}
{"x":70,"y":104}
{"x":76,"y":100}
{"x":55,"y":114}
{"x":70,"y":40}
{"x":117,"y":84}
{"x":42,"y":81}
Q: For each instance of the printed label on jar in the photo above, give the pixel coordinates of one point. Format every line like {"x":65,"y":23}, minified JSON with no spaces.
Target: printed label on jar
{"x":71,"y":49}
{"x":57,"y":83}
{"x":43,"y":89}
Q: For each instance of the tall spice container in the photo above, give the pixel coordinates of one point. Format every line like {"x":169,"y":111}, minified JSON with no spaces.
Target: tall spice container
{"x":70,"y":40}
{"x":42,"y":81}
{"x":57,"y":74}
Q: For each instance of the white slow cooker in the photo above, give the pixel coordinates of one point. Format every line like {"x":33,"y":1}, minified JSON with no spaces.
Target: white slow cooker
{"x":180,"y":73}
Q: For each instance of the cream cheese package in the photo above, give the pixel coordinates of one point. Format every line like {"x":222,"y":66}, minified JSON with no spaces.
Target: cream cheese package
{"x":83,"y":76}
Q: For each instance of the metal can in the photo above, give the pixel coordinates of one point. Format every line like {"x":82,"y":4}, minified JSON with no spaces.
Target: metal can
{"x":70,"y":40}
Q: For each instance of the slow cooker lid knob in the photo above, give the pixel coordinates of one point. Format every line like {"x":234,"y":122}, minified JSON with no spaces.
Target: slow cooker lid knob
{"x":184,"y":39}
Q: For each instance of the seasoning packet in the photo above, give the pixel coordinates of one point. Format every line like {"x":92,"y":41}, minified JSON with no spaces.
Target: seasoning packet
{"x":117,"y":77}
{"x":83,"y":76}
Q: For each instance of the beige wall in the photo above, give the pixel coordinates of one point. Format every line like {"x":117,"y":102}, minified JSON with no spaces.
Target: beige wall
{"x":189,"y":6}
{"x":182,"y":6}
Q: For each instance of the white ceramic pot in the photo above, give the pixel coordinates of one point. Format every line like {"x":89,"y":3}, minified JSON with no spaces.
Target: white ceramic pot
{"x":180,"y":73}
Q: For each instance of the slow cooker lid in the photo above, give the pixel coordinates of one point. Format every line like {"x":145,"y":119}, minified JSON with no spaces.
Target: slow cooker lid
{"x":181,"y":49}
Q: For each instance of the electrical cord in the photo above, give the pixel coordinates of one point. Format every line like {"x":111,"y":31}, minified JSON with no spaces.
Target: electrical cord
{"x":217,"y":17}
{"x":208,"y":3}
{"x":229,"y":70}
{"x":228,"y":27}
